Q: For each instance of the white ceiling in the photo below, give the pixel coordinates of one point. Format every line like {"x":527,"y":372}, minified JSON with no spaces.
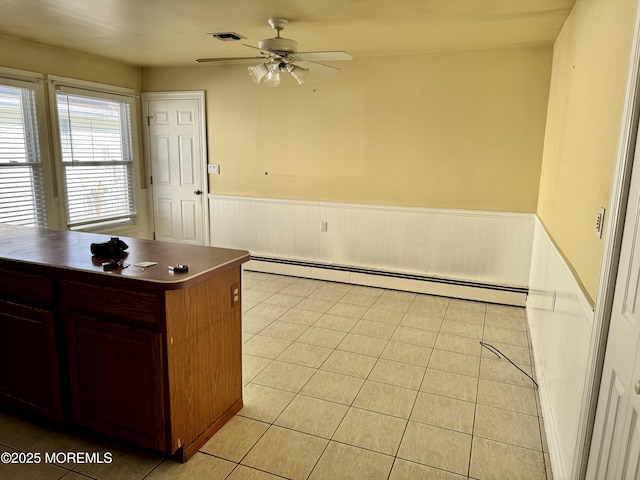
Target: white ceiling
{"x":174,"y":32}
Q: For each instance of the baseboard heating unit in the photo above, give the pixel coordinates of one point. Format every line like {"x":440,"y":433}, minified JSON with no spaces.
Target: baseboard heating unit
{"x":500,"y":294}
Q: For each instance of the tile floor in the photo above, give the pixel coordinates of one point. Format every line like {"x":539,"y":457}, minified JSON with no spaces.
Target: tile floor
{"x":348,"y":382}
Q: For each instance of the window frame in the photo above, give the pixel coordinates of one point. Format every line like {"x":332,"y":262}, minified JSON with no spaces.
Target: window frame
{"x":104,"y":92}
{"x":35,"y":81}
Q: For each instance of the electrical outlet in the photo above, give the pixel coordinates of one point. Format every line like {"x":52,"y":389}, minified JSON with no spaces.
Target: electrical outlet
{"x":600,"y":223}
{"x":213,"y":168}
{"x":235,"y":294}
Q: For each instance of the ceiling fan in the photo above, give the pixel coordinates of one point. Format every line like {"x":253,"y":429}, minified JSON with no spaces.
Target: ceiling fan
{"x":281,"y":55}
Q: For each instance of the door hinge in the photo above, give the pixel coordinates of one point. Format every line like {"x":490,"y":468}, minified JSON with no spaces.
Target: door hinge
{"x":149,"y":117}
{"x":154,"y":235}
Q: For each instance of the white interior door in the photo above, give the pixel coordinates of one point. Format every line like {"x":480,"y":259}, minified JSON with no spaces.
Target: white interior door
{"x":175,"y":140}
{"x":615,"y":448}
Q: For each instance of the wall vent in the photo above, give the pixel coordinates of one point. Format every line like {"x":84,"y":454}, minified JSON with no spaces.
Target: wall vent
{"x":227,"y":36}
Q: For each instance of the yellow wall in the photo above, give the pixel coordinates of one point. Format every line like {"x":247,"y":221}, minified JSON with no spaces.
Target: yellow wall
{"x":31,"y":57}
{"x":457,"y":130}
{"x":585,"y":104}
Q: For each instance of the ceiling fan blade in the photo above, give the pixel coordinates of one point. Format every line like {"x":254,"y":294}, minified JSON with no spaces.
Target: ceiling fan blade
{"x":230,"y":60}
{"x":321,"y":68}
{"x":322,"y":56}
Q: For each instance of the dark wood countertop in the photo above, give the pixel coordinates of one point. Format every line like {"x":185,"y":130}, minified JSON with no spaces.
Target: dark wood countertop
{"x":62,"y":249}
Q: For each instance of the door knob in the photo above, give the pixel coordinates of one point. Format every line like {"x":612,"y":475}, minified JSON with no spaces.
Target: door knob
{"x":637,"y":388}
{"x":198,"y":192}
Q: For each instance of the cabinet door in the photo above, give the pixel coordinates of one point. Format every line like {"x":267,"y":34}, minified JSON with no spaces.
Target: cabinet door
{"x":29,"y":373}
{"x":116,"y":380}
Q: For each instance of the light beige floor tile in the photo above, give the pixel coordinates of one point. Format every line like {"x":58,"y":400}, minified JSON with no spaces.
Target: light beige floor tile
{"x":363,"y":290}
{"x":242,"y":472}
{"x":406,"y":353}
{"x":388,"y":303}
{"x":374,"y":329}
{"x":414,"y":320}
{"x":304,"y":317}
{"x":436,"y":447}
{"x":255,"y":295}
{"x":429,"y":306}
{"x":267,"y":347}
{"x":60,"y":441}
{"x":508,"y":427}
{"x":264,"y":403}
{"x":503,"y":321}
{"x":299,"y":289}
{"x":271,"y":312}
{"x":445,"y":412}
{"x":507,"y":310}
{"x":312,"y":415}
{"x":284,"y":330}
{"x":349,"y":363}
{"x":500,"y":370}
{"x":363,"y":344}
{"x":450,"y":384}
{"x":547,"y":466}
{"x":322,"y":337}
{"x":247,"y":305}
{"x":34,"y":471}
{"x":127,"y":463}
{"x":386,"y":399}
{"x":399,"y":374}
{"x":404,"y":470}
{"x":305,"y":354}
{"x":334,"y":387}
{"x":348,"y":310}
{"x":336,"y":322}
{"x":516,"y":353}
{"x":283,"y":300}
{"x":455,"y":362}
{"x":236,"y":438}
{"x":359,"y":299}
{"x":498,"y":461}
{"x":383,"y":316}
{"x":254,"y":324}
{"x":506,"y":335}
{"x":252,"y":365}
{"x":286,"y":452}
{"x":341,"y":287}
{"x":247,"y":336}
{"x":473,"y":306}
{"x":543,"y":435}
{"x":415,"y":336}
{"x":463,"y":329}
{"x":200,"y":465}
{"x":399,"y":295}
{"x":284,"y":376}
{"x":371,"y":430}
{"x":468,"y":316}
{"x":327,"y":293}
{"x":316,"y":305}
{"x":18,"y":433}
{"x":456,"y":343}
{"x":508,"y":397}
{"x":345,"y":462}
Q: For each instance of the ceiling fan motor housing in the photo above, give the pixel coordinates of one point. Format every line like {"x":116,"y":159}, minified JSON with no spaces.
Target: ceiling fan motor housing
{"x":279,"y":46}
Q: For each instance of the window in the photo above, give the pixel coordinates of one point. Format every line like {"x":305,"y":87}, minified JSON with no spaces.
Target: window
{"x":22,"y":199}
{"x":96,"y":154}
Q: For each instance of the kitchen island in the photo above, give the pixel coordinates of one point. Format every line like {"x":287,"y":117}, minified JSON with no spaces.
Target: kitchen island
{"x":147,"y":355}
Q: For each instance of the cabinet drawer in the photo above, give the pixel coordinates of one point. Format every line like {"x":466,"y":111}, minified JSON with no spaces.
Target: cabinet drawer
{"x":139,"y":307}
{"x":26,"y":286}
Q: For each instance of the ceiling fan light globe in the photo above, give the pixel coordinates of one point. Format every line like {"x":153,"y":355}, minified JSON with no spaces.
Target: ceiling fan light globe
{"x":298,"y":73}
{"x":273,"y":78}
{"x":258,"y":72}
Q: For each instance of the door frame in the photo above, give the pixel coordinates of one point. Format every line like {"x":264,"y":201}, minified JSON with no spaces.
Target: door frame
{"x":610,"y":262}
{"x":198,"y":95}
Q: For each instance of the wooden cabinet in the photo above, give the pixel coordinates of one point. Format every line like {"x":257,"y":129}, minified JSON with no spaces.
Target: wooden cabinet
{"x":148,"y":356}
{"x":29,"y":371}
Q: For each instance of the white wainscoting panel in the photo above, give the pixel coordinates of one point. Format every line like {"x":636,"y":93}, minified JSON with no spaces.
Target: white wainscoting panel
{"x":561,"y":327}
{"x":490,"y":248}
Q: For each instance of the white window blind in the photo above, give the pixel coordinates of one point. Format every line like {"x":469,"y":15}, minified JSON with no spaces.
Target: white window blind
{"x":97,"y":157}
{"x":22,"y":200}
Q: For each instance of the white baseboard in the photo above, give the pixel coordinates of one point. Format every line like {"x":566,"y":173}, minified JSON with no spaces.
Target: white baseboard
{"x":481,"y":293}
